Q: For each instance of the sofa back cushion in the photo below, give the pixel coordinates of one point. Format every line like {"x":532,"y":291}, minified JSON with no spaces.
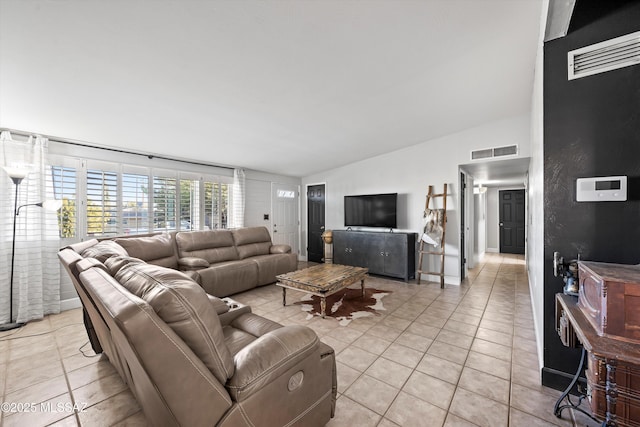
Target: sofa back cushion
{"x":184,"y":306}
{"x":104,"y":250}
{"x":116,"y":263}
{"x":157,"y":250}
{"x":251,"y":241}
{"x":211,"y":245}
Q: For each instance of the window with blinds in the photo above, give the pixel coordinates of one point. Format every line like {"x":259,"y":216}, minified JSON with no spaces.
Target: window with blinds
{"x":108,"y":199}
{"x":135,"y":203}
{"x":216,"y":205}
{"x":63,"y":180}
{"x":102,"y":207}
{"x":165,"y":203}
{"x":189,"y":204}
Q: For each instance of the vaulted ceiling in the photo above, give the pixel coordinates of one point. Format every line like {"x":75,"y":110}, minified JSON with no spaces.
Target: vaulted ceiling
{"x":291,"y":87}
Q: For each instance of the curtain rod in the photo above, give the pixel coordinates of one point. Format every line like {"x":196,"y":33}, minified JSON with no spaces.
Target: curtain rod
{"x":117,"y":150}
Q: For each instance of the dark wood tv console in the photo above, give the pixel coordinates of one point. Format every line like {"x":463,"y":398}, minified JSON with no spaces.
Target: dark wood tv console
{"x":385,"y":254}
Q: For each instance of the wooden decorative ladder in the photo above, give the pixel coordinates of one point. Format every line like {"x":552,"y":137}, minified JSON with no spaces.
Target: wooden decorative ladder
{"x":423,"y":252}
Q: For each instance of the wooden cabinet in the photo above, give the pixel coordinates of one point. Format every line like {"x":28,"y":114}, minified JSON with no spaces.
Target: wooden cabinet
{"x":613,"y":364}
{"x":386,"y":254}
{"x":627,"y":381}
{"x":609,"y":297}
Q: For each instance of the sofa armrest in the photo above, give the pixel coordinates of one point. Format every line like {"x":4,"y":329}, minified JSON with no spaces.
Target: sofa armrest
{"x":268,"y":357}
{"x":219,"y":305}
{"x":192,"y":263}
{"x":280,"y":249}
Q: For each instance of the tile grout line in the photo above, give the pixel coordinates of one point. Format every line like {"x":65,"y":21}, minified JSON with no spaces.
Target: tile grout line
{"x":414,"y":370}
{"x":66,"y":379}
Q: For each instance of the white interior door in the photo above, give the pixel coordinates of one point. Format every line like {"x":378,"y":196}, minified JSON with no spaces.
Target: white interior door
{"x":285,"y":202}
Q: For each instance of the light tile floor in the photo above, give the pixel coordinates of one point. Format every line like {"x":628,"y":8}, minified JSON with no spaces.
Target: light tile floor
{"x":460,"y":356}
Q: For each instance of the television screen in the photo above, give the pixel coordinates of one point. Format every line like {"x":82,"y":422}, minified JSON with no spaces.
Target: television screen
{"x":371,"y":210}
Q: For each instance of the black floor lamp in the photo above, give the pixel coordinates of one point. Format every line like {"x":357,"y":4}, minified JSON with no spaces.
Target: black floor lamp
{"x":17,"y":175}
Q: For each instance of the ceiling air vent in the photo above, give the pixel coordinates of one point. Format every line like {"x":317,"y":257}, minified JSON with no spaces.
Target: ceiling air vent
{"x":608,"y":55}
{"x":482,"y":154}
{"x":489,"y":153}
{"x":505,"y":151}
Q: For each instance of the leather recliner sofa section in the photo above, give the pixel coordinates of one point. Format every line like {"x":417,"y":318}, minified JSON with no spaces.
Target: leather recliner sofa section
{"x":194,"y":359}
{"x":231,"y":261}
{"x":223,"y":262}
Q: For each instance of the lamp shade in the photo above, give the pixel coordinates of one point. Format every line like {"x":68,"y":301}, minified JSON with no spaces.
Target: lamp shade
{"x":17,"y":172}
{"x":52,"y":204}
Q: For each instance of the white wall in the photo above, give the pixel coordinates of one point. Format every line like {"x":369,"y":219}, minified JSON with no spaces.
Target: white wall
{"x":493,"y":232}
{"x":410,"y":171}
{"x":258,"y":196}
{"x":257,"y":203}
{"x":535,"y":242}
{"x":470,"y":234}
{"x":480,"y":230}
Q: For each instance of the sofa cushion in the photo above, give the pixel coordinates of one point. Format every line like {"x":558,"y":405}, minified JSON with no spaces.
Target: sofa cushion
{"x":192,"y":263}
{"x":185,"y":307}
{"x":280,"y":249}
{"x":269,"y":266}
{"x":245,"y":329}
{"x":114,"y":264}
{"x":104,"y":250}
{"x":156,"y":249}
{"x":211,"y":245}
{"x":252,"y":241}
{"x":227,"y":278}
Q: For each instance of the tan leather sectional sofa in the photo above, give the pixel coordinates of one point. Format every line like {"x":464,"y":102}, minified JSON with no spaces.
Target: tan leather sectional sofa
{"x":223,"y":262}
{"x":194,"y":359}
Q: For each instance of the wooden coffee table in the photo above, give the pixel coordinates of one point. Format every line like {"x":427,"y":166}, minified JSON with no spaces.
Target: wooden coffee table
{"x":321,"y":280}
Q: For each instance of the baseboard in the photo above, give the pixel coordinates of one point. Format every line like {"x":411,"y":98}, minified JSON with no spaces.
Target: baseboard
{"x":559,"y":380}
{"x":493,"y":250}
{"x":70,"y":304}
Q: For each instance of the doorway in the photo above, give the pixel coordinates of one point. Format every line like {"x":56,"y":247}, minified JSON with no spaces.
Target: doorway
{"x":512,"y":221}
{"x":315,"y":222}
{"x":285,"y":201}
{"x":463,"y":245}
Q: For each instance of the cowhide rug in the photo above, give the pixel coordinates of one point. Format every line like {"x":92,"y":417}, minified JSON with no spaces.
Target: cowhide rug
{"x":346,"y":305}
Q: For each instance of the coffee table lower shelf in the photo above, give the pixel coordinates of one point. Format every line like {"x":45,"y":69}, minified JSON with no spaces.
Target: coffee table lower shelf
{"x":322,"y":280}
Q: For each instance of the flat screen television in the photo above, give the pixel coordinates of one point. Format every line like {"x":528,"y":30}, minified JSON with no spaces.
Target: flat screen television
{"x":371,"y":210}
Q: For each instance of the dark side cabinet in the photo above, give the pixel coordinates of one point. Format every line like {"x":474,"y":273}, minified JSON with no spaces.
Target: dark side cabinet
{"x":386,"y":254}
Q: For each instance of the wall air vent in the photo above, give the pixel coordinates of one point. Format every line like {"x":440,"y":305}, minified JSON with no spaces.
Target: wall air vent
{"x":488,"y":153}
{"x":605,"y":56}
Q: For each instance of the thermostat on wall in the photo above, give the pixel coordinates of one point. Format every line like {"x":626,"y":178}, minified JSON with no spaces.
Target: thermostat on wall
{"x":601,"y":189}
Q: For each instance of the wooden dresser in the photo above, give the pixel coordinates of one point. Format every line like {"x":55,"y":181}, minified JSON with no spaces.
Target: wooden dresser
{"x":605,"y":319}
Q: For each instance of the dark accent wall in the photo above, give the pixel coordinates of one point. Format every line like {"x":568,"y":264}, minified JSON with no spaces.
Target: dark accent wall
{"x":591,"y":128}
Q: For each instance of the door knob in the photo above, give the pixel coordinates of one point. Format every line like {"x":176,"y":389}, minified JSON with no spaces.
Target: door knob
{"x":322,"y":227}
{"x":501,"y":224}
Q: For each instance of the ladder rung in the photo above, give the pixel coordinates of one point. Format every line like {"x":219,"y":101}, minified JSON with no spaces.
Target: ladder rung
{"x":430,"y":272}
{"x":437,"y":195}
{"x":432,"y":253}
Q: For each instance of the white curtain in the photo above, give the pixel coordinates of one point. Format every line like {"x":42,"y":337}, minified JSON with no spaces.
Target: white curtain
{"x":238,"y":198}
{"x":36,"y":276}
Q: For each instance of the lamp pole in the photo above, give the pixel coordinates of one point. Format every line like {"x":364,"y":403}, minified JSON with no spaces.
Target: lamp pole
{"x":12,"y":324}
